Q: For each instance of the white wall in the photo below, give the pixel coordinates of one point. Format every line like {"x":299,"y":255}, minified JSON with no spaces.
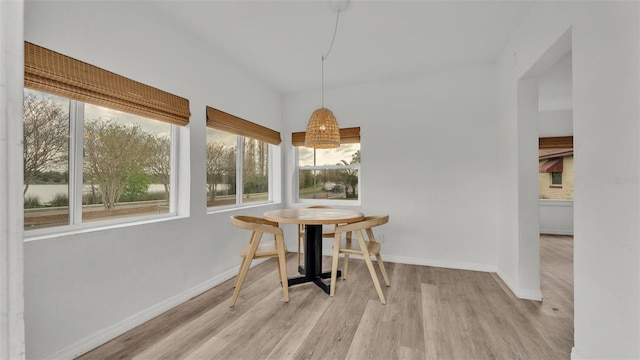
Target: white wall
{"x":555,"y":86}
{"x":555,"y":123}
{"x":556,"y":217}
{"x":528,"y":285}
{"x":12,"y":338}
{"x":606,"y":58}
{"x":83,"y":288}
{"x":428,"y":160}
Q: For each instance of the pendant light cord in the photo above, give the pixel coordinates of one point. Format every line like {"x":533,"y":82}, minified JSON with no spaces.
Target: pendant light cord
{"x":324,"y":57}
{"x":335,"y":31}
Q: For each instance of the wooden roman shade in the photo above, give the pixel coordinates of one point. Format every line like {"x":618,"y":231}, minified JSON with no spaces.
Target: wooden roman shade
{"x":347,"y":136}
{"x":54,"y":73}
{"x":226,"y":122}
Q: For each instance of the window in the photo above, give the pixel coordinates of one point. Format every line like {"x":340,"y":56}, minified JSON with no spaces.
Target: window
{"x":84,"y":163}
{"x":97,"y":146}
{"x":555,"y":167}
{"x":238,"y":152}
{"x":329,"y":174}
{"x":46,"y":160}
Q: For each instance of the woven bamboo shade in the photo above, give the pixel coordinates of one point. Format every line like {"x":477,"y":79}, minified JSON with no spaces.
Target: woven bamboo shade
{"x":347,"y":136}
{"x":48,"y":71}
{"x":322,"y":130}
{"x":220,"y":120}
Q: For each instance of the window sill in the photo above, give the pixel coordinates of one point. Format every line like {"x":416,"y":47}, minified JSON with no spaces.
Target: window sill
{"x":329,"y":202}
{"x":91,"y":227}
{"x":555,"y":186}
{"x":229,"y":208}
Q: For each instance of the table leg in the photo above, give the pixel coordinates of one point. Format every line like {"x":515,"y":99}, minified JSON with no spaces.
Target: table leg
{"x":312,"y":270}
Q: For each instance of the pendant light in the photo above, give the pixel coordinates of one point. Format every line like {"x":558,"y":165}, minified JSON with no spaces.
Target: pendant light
{"x":323,"y":131}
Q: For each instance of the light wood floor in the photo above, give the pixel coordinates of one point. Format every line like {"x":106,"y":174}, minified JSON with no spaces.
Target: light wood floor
{"x":431,"y":313}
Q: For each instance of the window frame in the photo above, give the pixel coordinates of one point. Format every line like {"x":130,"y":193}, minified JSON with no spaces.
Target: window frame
{"x":329,"y":202}
{"x":242,"y":128}
{"x":75,"y":183}
{"x":57,"y":74}
{"x":551,"y":183}
{"x":240,"y":204}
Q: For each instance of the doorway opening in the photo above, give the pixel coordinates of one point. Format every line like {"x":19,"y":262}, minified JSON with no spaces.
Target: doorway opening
{"x":545,"y":182}
{"x":544,"y":109}
{"x":555,"y":181}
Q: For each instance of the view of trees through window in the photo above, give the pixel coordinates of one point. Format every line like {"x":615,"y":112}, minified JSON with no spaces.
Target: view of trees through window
{"x":121,"y":168}
{"x":223,"y":162}
{"x":329,"y":173}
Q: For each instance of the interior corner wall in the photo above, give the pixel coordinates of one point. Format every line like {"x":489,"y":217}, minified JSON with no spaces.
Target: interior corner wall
{"x":606,"y":69}
{"x":528,"y":211}
{"x":428,"y":160}
{"x":83,"y":289}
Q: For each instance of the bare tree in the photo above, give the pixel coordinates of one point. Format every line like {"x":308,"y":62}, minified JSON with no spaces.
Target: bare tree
{"x":249,"y":159}
{"x":255,"y":165}
{"x":46,"y":136}
{"x":159,"y":161}
{"x":113,"y":154}
{"x":220,"y":162}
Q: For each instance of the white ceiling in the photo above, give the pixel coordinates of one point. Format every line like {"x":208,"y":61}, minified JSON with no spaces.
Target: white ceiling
{"x":282,"y":42}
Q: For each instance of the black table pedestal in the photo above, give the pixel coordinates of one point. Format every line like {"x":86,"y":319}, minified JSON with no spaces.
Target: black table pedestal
{"x":312,"y":270}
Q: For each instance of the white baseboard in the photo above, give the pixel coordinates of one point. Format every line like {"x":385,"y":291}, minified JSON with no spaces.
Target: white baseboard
{"x":92,"y":341}
{"x":535,"y":295}
{"x":430,"y":262}
{"x":575,"y":355}
{"x":508,"y":281}
{"x":442,"y":263}
{"x":521,"y":294}
{"x":551,"y":231}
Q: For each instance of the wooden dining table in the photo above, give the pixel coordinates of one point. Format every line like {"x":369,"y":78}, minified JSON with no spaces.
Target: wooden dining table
{"x":313,"y":219}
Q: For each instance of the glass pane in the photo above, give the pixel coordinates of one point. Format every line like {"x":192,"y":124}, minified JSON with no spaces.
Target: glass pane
{"x":221,"y":167}
{"x":343,"y":155}
{"x":126,"y":165}
{"x":46,"y":160}
{"x":255,"y":170}
{"x":339,"y":184}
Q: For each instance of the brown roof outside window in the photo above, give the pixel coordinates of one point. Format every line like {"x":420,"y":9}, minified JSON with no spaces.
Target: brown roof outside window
{"x":552,"y":165}
{"x":550,"y":153}
{"x":555,"y":142}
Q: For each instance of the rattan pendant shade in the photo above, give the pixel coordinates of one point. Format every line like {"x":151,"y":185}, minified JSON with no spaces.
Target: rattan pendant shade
{"x":322,"y":131}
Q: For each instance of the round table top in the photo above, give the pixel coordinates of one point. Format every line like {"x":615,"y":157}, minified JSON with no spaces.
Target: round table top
{"x":314,"y":216}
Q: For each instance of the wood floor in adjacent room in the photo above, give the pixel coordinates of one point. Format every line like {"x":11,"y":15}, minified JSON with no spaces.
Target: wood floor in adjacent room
{"x":431,"y":313}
